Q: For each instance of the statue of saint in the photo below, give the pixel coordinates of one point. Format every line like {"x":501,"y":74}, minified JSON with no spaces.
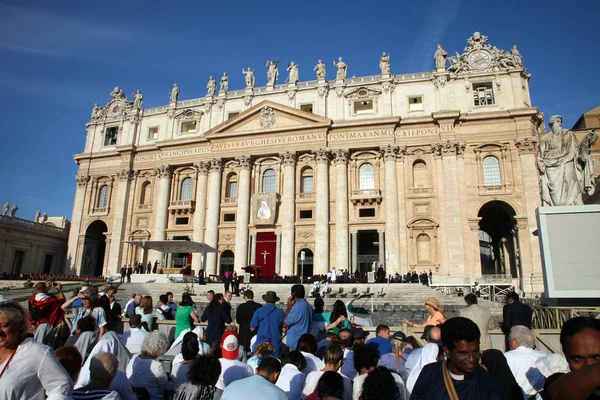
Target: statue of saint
{"x":37,"y":216}
{"x":13,"y":211}
{"x":320,"y":70}
{"x":565,"y":165}
{"x":516,"y":56}
{"x":96,"y":111}
{"x":272,"y":71}
{"x":137,"y":99}
{"x":293,"y":70}
{"x":211,"y":87}
{"x":44,"y":218}
{"x":440,"y":57}
{"x":249,"y":73}
{"x":174,"y":93}
{"x":384,"y":64}
{"x":342,"y":69}
{"x":224,"y":83}
{"x":117,"y":93}
{"x":6,"y":208}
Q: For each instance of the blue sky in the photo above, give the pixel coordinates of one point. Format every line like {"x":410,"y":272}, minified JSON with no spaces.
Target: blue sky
{"x":58,"y":58}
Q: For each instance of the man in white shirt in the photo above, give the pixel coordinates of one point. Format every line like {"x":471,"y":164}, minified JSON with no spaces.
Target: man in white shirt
{"x":522,"y":357}
{"x":231,"y":369}
{"x":291,"y":380}
{"x":365,"y":360}
{"x":431,"y":334}
{"x":333,"y":358}
{"x":134,"y":337}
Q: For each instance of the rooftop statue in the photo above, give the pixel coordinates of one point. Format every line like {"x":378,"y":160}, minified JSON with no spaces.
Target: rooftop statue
{"x":320,"y":69}
{"x":13,"y":211}
{"x":137,"y":99}
{"x":249,"y":77}
{"x":440,"y":57}
{"x":293,"y":70}
{"x":565,"y":165}
{"x":117,"y":93}
{"x":211,"y":87}
{"x":342,"y":69}
{"x":6,"y":208}
{"x":384,"y":64}
{"x":224,"y":83}
{"x":174,"y":93}
{"x":37,"y":216}
{"x":272,"y":71}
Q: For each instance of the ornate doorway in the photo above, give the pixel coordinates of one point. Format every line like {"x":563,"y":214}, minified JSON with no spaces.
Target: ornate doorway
{"x":266,"y":252}
{"x":226,"y":263}
{"x":94,"y":249}
{"x":496,"y":243}
{"x":305,"y":268}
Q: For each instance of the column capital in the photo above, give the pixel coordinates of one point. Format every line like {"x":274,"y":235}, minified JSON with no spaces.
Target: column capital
{"x":449,"y":147}
{"x":322,"y":155}
{"x":391,"y":152}
{"x":163,"y":171}
{"x":216,"y":165}
{"x":244,"y":162}
{"x":124,"y":174}
{"x":474,"y":223}
{"x":340,"y":156}
{"x":381,"y":230}
{"x":354,"y":233}
{"x":202,"y":167}
{"x":288,"y":158}
{"x":527,"y":145}
{"x":278,"y":234}
{"x":82,"y":180}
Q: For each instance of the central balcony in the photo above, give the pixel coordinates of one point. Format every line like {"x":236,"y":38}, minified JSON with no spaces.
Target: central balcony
{"x":366,"y":196}
{"x":182,"y":207}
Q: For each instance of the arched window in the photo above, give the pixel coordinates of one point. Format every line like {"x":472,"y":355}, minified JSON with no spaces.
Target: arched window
{"x":268,"y":181}
{"x":103,"y":196}
{"x":491,"y":171}
{"x":145,"y":196}
{"x":186,"y":189}
{"x":423,"y":249}
{"x":366,"y":177}
{"x":231,"y":187}
{"x":307,"y":183}
{"x":420,"y":174}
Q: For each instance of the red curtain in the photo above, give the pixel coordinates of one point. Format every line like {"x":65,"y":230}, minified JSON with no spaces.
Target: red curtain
{"x":266,"y":247}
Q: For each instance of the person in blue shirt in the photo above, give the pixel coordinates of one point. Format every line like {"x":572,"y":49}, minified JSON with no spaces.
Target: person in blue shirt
{"x":299,"y":316}
{"x":260,"y":386}
{"x":382,"y":340}
{"x":269,"y":321}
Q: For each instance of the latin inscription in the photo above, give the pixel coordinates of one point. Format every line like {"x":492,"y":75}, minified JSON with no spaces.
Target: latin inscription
{"x":360,"y":135}
{"x":423,"y":131}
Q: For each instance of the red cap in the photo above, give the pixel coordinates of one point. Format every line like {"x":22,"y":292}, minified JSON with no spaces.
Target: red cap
{"x":230,"y":345}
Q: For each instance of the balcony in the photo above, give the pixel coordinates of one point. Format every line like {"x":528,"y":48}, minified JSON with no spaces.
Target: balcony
{"x":231,"y":201}
{"x":144,"y":207}
{"x":494,"y":189}
{"x":182,"y":207}
{"x":420,"y":192}
{"x":305,"y":197}
{"x":366,"y":196}
{"x":100,"y":211}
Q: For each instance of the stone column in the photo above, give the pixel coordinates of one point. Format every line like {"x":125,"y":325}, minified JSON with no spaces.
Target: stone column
{"x":389,"y":154}
{"x":288,"y":212}
{"x":212,"y":218}
{"x":278,"y":253}
{"x":199,"y":212}
{"x":163,"y":175}
{"x":120,"y":209}
{"x":70,"y":266}
{"x":341,"y":209}
{"x":354,"y":251}
{"x":382,"y":248}
{"x":253,"y":248}
{"x":321,"y":257}
{"x":243,"y":214}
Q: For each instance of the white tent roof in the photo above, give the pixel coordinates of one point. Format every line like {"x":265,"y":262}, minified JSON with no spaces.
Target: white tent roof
{"x":173,"y":246}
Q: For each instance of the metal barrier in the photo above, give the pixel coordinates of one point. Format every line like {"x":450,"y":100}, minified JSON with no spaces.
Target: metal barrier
{"x":555,"y":317}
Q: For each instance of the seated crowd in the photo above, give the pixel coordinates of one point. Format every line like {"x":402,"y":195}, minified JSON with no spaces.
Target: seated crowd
{"x":300,"y":353}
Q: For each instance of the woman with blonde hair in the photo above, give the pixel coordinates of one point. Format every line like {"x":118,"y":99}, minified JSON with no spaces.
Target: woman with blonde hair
{"x":396,"y":359}
{"x":263,"y":350}
{"x":436,"y":316}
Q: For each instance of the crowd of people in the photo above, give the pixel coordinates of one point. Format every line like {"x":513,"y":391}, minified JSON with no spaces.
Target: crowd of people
{"x":302,"y":352}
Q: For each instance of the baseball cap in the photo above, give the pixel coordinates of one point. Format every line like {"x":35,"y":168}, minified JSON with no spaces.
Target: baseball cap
{"x":399,"y":336}
{"x":135,"y":321}
{"x":359,"y":333}
{"x":230,"y":345}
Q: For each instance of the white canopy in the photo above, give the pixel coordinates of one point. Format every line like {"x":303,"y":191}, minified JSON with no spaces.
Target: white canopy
{"x":173,"y":246}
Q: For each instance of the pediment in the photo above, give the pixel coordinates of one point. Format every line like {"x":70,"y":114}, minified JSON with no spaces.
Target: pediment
{"x":418,"y":222}
{"x":268,"y":116}
{"x":362,"y":93}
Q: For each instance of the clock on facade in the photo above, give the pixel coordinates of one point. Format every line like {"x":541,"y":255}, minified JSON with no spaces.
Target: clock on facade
{"x":115,"y":109}
{"x":479,"y":59}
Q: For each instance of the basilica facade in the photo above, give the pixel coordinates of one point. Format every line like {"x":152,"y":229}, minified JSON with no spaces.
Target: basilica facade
{"x":421,"y":171}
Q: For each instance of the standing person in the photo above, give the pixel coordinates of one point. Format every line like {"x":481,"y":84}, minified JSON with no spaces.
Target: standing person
{"x":88,"y":307}
{"x":28,"y":370}
{"x":460,"y":375}
{"x":243,"y":316}
{"x":338,"y":319}
{"x":268,"y":322}
{"x":235,"y":284}
{"x":45,"y":312}
{"x":217,"y":316}
{"x":514,"y":313}
{"x":430,"y":277}
{"x":171,"y":304}
{"x":155,"y":268}
{"x":201,"y":277}
{"x":186,"y":316}
{"x":227,"y":302}
{"x":129,"y":272}
{"x":522,"y":359}
{"x":112,"y":319}
{"x":482,"y":318}
{"x":260,"y":386}
{"x":149,"y":269}
{"x":123,"y":273}
{"x":436,"y":316}
{"x":299,"y":312}
{"x":320,"y":319}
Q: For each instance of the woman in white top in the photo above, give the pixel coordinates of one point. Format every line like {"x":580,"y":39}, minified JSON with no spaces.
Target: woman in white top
{"x":183,"y":361}
{"x":291,"y":380}
{"x":144,"y":371}
{"x":28,"y":370}
{"x":147,"y":312}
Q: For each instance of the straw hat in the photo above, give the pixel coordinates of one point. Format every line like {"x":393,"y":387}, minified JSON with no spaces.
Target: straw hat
{"x":433,"y":302}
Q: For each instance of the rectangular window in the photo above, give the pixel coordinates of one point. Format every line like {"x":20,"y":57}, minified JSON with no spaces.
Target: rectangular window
{"x":363,"y":106}
{"x":483,"y":94}
{"x":305,"y":214}
{"x":307,"y":184}
{"x":366,"y":212}
{"x":153,"y":133}
{"x":415,"y":103}
{"x":182,"y":221}
{"x":111,"y":135}
{"x":232,"y":192}
{"x":228,"y":217}
{"x":306,"y":107}
{"x":188,"y":126}
{"x":233,"y":114}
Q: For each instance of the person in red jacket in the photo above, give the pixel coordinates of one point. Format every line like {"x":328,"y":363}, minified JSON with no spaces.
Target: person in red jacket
{"x":45,"y":309}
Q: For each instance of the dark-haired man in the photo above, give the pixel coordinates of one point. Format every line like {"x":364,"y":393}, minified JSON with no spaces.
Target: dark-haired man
{"x":243,"y":316}
{"x":298,"y":318}
{"x":580,"y":340}
{"x":260,"y":386}
{"x":365,"y":360}
{"x":381,"y":341}
{"x":460,"y":373}
{"x":514,"y":313}
{"x":482,"y":318}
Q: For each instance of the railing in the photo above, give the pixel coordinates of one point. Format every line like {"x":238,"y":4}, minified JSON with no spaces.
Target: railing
{"x":100,"y":210}
{"x":305,"y":195}
{"x":555,"y":317}
{"x":229,"y":200}
{"x":422,"y":190}
{"x":144,"y":207}
{"x":182,"y":206}
{"x":23,"y":223}
{"x":366,"y":196}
